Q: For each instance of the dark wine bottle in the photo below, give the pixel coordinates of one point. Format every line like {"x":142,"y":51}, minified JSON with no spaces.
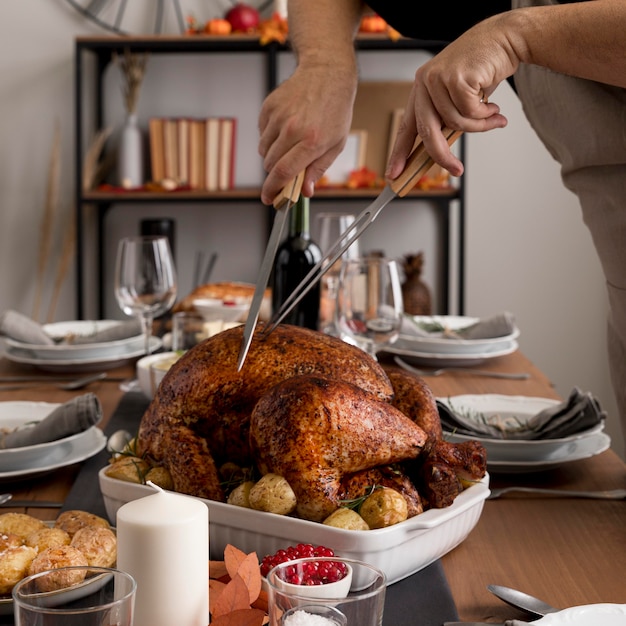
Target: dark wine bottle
{"x":295,"y":257}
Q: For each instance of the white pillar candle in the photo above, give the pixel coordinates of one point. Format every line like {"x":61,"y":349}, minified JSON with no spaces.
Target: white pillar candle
{"x":163,"y":542}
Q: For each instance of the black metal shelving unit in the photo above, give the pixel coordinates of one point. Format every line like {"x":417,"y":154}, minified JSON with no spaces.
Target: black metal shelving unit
{"x":102,"y":49}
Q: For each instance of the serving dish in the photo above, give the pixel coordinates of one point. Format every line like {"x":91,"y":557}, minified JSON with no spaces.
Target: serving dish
{"x":14,"y":415}
{"x":399,"y":550}
{"x":587,"y":615}
{"x":149,"y":372}
{"x":213,"y":309}
{"x":78,"y":448}
{"x":130,"y":351}
{"x":82,"y":328}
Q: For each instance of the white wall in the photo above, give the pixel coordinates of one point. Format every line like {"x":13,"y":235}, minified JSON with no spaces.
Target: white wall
{"x":527,"y":250}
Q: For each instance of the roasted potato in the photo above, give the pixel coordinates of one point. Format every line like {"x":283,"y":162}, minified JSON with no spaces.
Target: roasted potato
{"x":384,"y":507}
{"x":240,"y":496}
{"x":132,"y":469}
{"x":272,"y":493}
{"x":160,"y":476}
{"x":348,"y":519}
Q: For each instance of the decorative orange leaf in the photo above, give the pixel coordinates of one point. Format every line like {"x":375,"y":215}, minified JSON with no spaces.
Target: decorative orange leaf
{"x":250,"y":573}
{"x":234,"y":596}
{"x":262,"y":602}
{"x":233,"y":557}
{"x":241,"y":617}
{"x":217,"y":570}
{"x":215,"y":590}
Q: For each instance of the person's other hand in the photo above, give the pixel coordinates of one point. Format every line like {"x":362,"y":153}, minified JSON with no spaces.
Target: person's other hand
{"x":452,"y":89}
{"x":304,"y":123}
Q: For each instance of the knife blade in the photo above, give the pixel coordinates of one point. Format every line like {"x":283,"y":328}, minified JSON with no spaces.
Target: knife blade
{"x":282,"y":203}
{"x":418,"y":163}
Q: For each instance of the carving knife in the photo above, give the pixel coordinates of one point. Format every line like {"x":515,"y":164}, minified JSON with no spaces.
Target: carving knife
{"x":417,"y":164}
{"x":282,"y":203}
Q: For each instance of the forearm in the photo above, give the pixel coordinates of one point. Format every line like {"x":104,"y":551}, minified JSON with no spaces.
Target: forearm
{"x":583,"y":39}
{"x":322,"y":32}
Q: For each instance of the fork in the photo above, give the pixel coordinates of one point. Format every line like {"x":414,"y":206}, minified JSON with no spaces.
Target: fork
{"x":77,"y":383}
{"x":612,"y":494}
{"x":468,"y":370}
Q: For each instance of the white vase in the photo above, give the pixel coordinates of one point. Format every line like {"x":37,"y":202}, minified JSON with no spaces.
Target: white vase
{"x":130,"y":154}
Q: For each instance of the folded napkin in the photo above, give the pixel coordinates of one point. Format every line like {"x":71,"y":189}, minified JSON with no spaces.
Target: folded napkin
{"x":499,"y":325}
{"x":21,"y":328}
{"x":70,"y":418}
{"x":580,"y":412}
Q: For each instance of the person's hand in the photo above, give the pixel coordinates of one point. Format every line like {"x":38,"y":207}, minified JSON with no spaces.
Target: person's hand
{"x":304,"y":123}
{"x":452,"y":89}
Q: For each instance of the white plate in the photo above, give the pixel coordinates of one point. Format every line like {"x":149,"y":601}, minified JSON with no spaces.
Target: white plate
{"x":433,"y":359}
{"x":130,"y":351}
{"x":522,"y":409}
{"x":587,"y":615}
{"x":79,"y":351}
{"x":436,"y":343}
{"x":581,"y":449}
{"x":83,"y":447}
{"x":213,"y":309}
{"x":18,"y":415}
{"x":399,"y":550}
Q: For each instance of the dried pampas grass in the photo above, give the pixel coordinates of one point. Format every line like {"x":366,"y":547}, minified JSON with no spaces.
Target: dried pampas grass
{"x":133,"y":68}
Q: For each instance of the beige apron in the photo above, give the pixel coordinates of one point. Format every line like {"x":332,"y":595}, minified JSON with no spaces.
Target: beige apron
{"x":583,"y":125}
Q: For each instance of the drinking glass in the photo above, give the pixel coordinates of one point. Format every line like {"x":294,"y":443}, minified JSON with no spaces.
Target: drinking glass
{"x":75,"y":596}
{"x":145,"y":280}
{"x":361,"y":602}
{"x":331,"y":226}
{"x":369,"y":302}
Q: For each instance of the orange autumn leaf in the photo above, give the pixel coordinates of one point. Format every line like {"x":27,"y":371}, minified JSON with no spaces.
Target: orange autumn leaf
{"x":250,"y":573}
{"x":262,"y":602}
{"x":217,"y":569}
{"x":241,"y":617}
{"x":233,"y":557}
{"x":234,"y":596}
{"x":215,"y":590}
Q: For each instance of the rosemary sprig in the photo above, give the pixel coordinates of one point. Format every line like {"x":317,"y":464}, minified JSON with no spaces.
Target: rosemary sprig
{"x":355,"y":503}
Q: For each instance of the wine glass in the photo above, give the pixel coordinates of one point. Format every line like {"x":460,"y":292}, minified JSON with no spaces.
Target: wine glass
{"x":369,"y":303}
{"x":331,"y":227}
{"x":145,"y":280}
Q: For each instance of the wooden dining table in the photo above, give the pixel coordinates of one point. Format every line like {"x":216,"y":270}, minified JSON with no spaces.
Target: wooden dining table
{"x":568,"y":551}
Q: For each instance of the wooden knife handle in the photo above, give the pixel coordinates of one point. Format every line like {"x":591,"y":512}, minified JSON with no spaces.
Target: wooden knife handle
{"x":290,"y":192}
{"x":418,"y":163}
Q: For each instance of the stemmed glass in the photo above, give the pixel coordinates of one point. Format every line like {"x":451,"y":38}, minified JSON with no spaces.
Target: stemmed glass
{"x":145,"y":280}
{"x":369,"y":303}
{"x":331,"y":227}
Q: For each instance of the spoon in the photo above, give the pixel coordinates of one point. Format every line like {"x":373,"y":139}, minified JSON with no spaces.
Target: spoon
{"x":520,"y":600}
{"x":71,"y":385}
{"x":118,"y":441}
{"x":42,"y":504}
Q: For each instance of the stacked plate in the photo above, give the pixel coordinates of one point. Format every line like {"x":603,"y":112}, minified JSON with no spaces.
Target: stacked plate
{"x":516,"y":455}
{"x":437,"y":350}
{"x":80,"y":357}
{"x":32,"y":461}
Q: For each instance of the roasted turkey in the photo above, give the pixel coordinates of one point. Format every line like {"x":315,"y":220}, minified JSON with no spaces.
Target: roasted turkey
{"x":305,"y":405}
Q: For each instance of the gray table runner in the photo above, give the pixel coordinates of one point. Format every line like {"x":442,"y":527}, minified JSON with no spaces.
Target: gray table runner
{"x":424,"y":596}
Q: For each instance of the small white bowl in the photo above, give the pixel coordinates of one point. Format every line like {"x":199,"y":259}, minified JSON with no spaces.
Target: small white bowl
{"x":152,"y":368}
{"x":336,"y":590}
{"x":213,"y":309}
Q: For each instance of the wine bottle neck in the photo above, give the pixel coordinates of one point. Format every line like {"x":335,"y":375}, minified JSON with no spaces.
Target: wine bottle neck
{"x":299,"y":220}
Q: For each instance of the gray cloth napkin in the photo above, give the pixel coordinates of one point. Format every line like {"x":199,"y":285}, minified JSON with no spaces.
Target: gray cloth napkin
{"x":499,"y":325}
{"x":580,"y":412}
{"x":70,"y":418}
{"x":21,"y":328}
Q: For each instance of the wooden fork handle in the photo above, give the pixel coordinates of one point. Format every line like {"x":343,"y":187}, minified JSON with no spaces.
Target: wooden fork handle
{"x":418,"y":163}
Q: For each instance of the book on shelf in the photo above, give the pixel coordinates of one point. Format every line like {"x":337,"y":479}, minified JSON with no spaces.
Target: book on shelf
{"x":226,"y":159}
{"x":211,"y":154}
{"x":197,"y":152}
{"x":157,"y":159}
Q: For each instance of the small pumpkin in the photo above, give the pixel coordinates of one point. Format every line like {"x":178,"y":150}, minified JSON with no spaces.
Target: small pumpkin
{"x":372,"y":24}
{"x":218,"y":26}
